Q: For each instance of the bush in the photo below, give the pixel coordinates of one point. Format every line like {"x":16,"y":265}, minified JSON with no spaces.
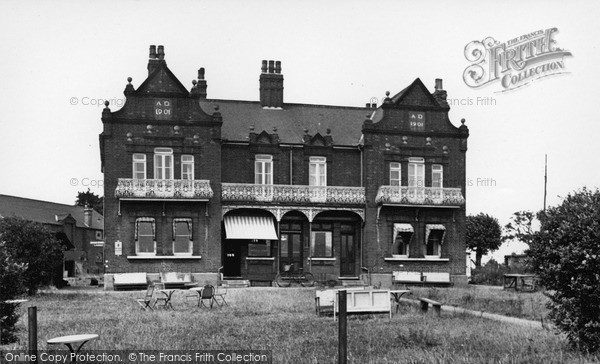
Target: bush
{"x":566,"y":255}
{"x":11,"y":286}
{"x":492,"y":273}
{"x":31,"y":244}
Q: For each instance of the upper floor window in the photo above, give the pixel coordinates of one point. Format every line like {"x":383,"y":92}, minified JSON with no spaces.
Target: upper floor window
{"x":317,"y":171}
{"x":139,"y":166}
{"x":437,"y":175}
{"x":395,"y":174}
{"x":187,"y":167}
{"x":145,"y":232}
{"x":163,"y":163}
{"x":416,"y":172}
{"x":182,"y":236}
{"x":263,"y":169}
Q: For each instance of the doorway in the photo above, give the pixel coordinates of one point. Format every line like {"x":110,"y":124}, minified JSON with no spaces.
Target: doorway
{"x":232,"y":258}
{"x":348,"y":256}
{"x":290,"y":250}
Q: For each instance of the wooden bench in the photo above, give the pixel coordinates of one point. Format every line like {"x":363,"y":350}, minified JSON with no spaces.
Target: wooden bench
{"x":130,"y":281}
{"x":422,"y":278}
{"x":325,"y":299}
{"x":366,"y":301}
{"x":425,"y":302}
{"x":175,"y":280}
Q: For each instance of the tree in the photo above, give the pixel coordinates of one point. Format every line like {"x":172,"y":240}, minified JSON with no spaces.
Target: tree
{"x":483,"y":235}
{"x":11,"y":286}
{"x":30,"y":243}
{"x":566,"y":256}
{"x":521,"y":227}
{"x":91,"y":199}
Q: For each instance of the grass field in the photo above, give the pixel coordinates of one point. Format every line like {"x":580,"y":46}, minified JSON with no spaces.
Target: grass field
{"x":283,"y":320}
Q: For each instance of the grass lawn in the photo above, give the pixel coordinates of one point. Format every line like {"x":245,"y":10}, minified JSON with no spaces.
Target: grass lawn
{"x":283,"y":320}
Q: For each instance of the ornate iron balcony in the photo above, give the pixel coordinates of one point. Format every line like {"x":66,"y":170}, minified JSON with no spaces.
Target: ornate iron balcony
{"x":163,"y":189}
{"x":243,"y":192}
{"x":402,"y":195}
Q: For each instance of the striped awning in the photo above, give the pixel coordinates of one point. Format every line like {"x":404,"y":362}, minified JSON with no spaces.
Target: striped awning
{"x":430,"y":227}
{"x":403,"y":228}
{"x":250,"y":227}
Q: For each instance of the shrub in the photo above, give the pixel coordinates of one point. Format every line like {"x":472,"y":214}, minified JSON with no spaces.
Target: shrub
{"x":11,"y":286}
{"x":566,"y":255}
{"x":32,"y":244}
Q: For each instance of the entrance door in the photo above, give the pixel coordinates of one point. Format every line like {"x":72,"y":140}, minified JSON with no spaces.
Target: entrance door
{"x":290,"y":249}
{"x":232,"y":258}
{"x":348,"y":256}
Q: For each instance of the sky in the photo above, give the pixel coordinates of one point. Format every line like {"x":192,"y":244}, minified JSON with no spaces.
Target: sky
{"x":61,"y":59}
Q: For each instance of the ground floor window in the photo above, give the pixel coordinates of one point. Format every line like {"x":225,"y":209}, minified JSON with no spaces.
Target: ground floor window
{"x":321,"y":244}
{"x":434,"y":237}
{"x":259,"y":248}
{"x":182,"y":236}
{"x":401,"y":238}
{"x":145,"y":236}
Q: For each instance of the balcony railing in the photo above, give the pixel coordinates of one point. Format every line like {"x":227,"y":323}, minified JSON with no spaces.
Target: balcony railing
{"x":242,"y":192}
{"x":163,"y":189}
{"x":402,"y":195}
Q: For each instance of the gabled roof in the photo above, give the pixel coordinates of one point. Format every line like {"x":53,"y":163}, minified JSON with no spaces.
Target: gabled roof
{"x":415,"y":91}
{"x":162,"y":80}
{"x":345,"y":123}
{"x":45,"y":212}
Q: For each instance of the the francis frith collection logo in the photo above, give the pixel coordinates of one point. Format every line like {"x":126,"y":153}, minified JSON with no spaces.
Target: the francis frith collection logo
{"x":516,"y":62}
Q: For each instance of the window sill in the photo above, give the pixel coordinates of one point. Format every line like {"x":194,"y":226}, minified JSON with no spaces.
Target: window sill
{"x":260,"y":258}
{"x":416,"y":259}
{"x":164,"y":257}
{"x":323,"y":259}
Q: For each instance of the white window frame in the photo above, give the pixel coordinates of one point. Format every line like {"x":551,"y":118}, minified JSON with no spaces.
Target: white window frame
{"x":317,"y":171}
{"x":152,"y":223}
{"x":187,"y":160}
{"x":188,"y":235}
{"x":328,"y":243}
{"x":162,"y":157}
{"x":138,"y":160}
{"x":437,"y":169}
{"x":428,"y":231}
{"x":416,"y":172}
{"x":395,"y":167}
{"x":263,"y":169}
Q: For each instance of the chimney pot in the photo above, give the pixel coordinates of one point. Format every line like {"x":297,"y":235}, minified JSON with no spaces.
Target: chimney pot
{"x":161,"y":52}
{"x":152,"y":52}
{"x":438,"y":84}
{"x":201,"y":73}
{"x":278,"y":67}
{"x":368,"y":105}
{"x":271,"y":66}
{"x":264,"y":66}
{"x":87,"y":215}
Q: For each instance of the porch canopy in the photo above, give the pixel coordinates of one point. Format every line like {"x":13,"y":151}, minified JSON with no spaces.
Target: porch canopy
{"x":250,"y":227}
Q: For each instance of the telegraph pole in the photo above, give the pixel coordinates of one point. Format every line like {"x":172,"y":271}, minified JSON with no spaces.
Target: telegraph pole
{"x":545,"y":179}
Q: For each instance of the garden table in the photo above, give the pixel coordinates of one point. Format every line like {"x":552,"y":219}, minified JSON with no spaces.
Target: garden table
{"x":513,"y":280}
{"x":168,"y":296}
{"x":396,"y":295}
{"x":70,"y":340}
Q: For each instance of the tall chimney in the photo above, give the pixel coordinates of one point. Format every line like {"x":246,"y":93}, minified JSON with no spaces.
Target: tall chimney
{"x":87,"y":215}
{"x":440,"y":94}
{"x":201,"y":83}
{"x":156,"y":57}
{"x":271,"y":84}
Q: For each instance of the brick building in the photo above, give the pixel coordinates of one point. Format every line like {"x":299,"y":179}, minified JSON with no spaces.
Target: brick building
{"x":80,"y":229}
{"x":246,"y":187}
